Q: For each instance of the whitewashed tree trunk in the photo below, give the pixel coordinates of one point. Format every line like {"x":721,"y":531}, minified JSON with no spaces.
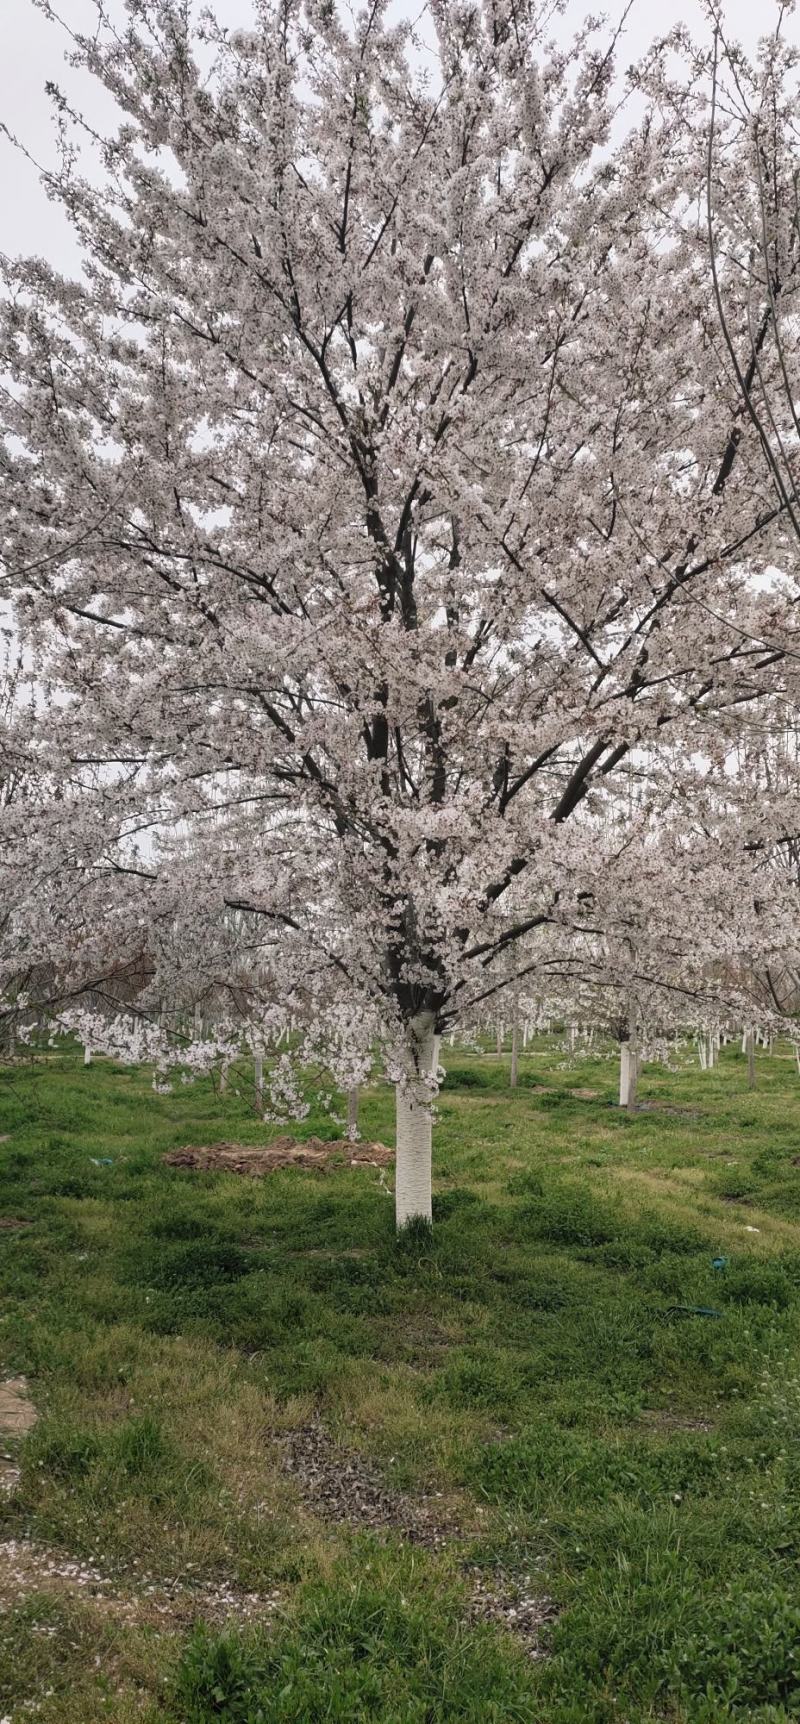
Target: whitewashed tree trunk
{"x":259,"y":1081}
{"x":352,"y":1114}
{"x":633,"y":1080}
{"x":413,"y":1197}
{"x":223,"y":1080}
{"x":627,"y":1075}
{"x":514,"y":1055}
{"x":87,"y":1055}
{"x":751,"y":1059}
{"x":198,"y":1021}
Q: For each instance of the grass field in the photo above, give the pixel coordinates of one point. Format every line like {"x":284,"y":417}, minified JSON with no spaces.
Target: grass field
{"x":287,"y":1470}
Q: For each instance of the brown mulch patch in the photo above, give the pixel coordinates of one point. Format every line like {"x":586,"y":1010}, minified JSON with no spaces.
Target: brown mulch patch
{"x":342,"y":1487}
{"x":253,"y":1161}
{"x":585,"y":1094}
{"x":12,"y":1223}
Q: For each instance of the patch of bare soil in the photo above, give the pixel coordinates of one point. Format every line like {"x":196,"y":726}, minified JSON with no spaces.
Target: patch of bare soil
{"x":13,"y":1223}
{"x":665,"y":1107}
{"x":585,"y":1094}
{"x":26,"y":1568}
{"x":253,"y":1161}
{"x":17,"y":1417}
{"x":343,"y":1488}
{"x":665,"y":1419}
{"x":513,"y":1608}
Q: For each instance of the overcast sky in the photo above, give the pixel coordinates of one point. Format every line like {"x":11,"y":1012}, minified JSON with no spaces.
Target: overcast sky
{"x":32,"y":51}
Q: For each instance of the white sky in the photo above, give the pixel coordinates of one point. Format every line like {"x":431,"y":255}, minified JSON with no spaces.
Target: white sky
{"x":32,"y":51}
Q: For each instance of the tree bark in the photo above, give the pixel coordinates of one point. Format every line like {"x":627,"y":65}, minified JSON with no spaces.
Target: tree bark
{"x":751,"y":1059}
{"x":87,"y":1055}
{"x":413,"y":1197}
{"x":259,"y":1081}
{"x":352,"y":1114}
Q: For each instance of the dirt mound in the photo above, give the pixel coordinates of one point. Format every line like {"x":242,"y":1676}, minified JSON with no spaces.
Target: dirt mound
{"x":254,"y":1160}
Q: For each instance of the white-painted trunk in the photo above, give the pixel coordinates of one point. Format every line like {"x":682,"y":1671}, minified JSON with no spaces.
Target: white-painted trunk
{"x":627,"y":1068}
{"x":352,"y":1114}
{"x":751,"y":1059}
{"x":413,"y":1197}
{"x":258,"y":1064}
{"x":223,"y":1080}
{"x":633,"y":1080}
{"x":198,"y":1021}
{"x":87,"y":1055}
{"x":514,"y":1055}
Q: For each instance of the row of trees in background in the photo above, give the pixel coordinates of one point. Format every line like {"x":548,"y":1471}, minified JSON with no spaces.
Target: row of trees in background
{"x":400,"y":527}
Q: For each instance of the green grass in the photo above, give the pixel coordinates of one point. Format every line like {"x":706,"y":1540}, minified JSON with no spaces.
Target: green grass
{"x":536,"y":1361}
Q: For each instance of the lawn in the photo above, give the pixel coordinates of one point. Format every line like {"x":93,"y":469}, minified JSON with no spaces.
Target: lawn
{"x":541,"y":1466}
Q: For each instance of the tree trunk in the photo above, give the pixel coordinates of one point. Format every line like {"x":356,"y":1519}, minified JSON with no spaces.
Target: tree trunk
{"x":499,"y":1040}
{"x":514,"y":1055}
{"x":633,"y":1080}
{"x":751,"y":1060}
{"x":415,"y":1126}
{"x":223,"y":1080}
{"x":259,"y":1081}
{"x":352,"y":1114}
{"x":87,"y":1055}
{"x":198,"y":1021}
{"x":627,"y":1075}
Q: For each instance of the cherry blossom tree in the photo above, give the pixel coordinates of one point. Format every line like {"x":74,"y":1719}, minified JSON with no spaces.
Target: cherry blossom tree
{"x":379,"y":500}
